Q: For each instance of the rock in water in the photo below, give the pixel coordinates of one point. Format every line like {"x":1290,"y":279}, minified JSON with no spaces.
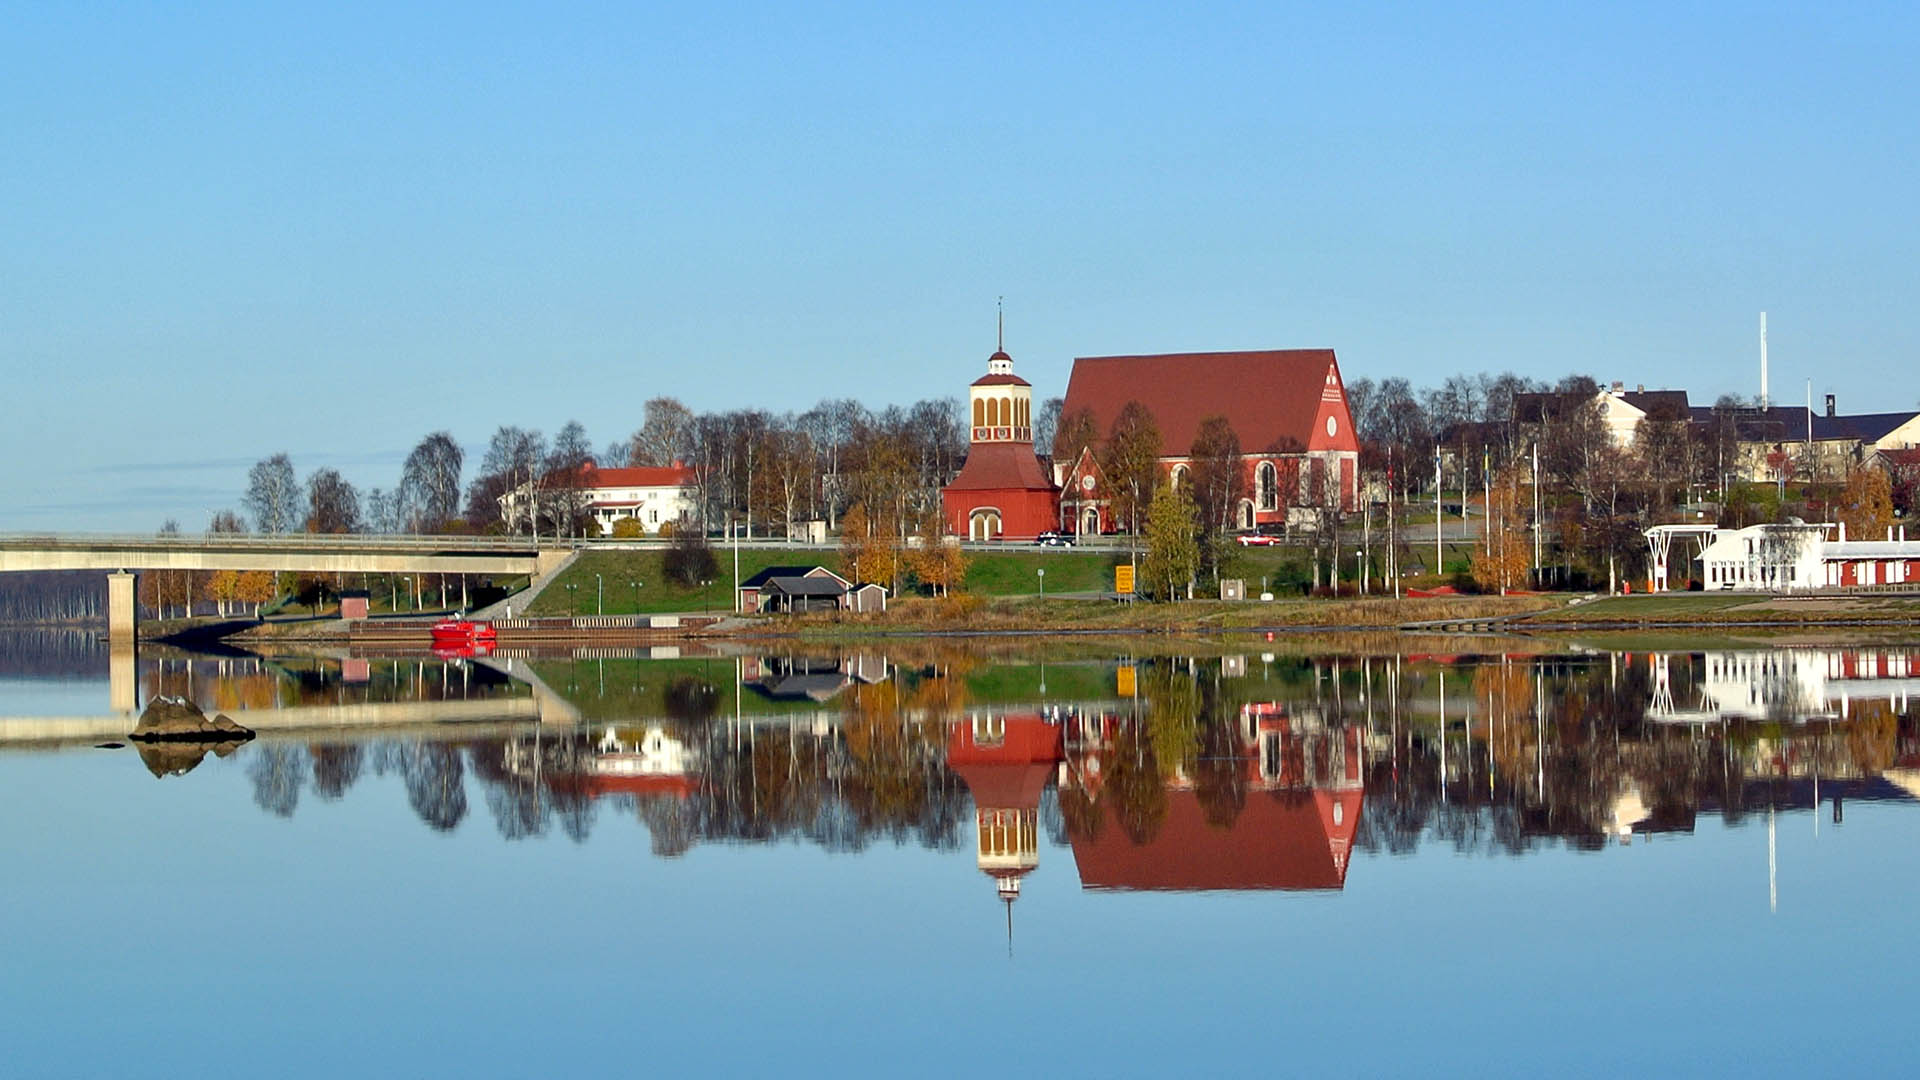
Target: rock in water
{"x":172,"y":719}
{"x":174,"y":757}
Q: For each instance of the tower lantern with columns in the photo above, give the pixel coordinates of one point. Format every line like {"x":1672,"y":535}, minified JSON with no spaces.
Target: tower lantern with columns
{"x":1001,"y":403}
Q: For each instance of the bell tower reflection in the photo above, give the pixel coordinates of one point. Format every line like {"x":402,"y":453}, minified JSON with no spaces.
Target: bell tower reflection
{"x":1005,"y":760}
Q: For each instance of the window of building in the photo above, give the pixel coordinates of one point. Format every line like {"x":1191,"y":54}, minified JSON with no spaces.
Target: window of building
{"x":1268,"y":486}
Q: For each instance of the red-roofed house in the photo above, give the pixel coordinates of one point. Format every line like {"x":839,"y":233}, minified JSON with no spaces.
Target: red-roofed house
{"x":1002,"y":491}
{"x":649,"y":495}
{"x":1287,"y":406}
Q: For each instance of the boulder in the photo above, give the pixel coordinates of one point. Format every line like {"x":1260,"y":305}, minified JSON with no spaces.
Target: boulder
{"x":171,"y":719}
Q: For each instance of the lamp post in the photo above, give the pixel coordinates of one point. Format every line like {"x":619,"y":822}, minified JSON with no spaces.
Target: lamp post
{"x":1042,"y":572}
{"x":706,"y":596}
{"x":573,"y":608}
{"x":636,"y":596}
{"x":599,"y":596}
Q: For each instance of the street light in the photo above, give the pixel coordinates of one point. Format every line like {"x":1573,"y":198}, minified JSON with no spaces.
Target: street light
{"x":1042,"y":572}
{"x":573,"y":589}
{"x":636,"y":596}
{"x":599,"y":596}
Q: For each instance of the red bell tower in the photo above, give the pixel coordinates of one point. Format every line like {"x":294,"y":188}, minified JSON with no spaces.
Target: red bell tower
{"x":1001,"y":492}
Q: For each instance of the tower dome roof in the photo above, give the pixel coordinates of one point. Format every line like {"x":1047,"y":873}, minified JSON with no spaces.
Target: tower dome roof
{"x":1000,"y":372}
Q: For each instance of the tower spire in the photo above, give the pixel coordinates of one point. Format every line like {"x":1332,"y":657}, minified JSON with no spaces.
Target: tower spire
{"x":1000,"y":331}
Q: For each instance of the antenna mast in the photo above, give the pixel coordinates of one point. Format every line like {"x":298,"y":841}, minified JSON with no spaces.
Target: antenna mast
{"x":1763,"y":360}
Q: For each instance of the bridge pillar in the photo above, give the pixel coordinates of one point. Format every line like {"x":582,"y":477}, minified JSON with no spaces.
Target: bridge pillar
{"x":123,"y":689}
{"x":120,"y":610}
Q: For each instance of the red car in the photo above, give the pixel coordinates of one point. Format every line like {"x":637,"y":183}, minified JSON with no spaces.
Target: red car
{"x":1257,"y":540}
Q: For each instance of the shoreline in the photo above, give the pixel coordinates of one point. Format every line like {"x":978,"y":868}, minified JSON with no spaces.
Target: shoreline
{"x":1028,"y":617}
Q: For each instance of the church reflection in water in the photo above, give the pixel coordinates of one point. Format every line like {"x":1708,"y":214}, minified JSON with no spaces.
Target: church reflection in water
{"x":1223,"y":773}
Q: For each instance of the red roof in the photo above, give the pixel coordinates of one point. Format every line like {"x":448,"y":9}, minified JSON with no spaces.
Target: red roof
{"x":1271,"y":398}
{"x":1001,"y":380}
{"x":1011,"y":773}
{"x":667,"y":476}
{"x":1001,"y":466}
{"x":1280,"y":840}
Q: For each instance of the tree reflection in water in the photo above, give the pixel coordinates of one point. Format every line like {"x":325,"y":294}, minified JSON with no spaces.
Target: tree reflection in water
{"x":1382,"y":754}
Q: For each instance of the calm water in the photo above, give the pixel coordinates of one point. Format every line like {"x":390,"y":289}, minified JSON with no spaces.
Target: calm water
{"x":966,"y":861}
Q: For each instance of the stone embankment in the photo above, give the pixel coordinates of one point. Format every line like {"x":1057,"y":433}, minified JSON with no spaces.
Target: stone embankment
{"x":524,"y":633}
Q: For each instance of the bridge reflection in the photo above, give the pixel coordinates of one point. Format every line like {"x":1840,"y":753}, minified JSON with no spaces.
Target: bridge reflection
{"x":1207,"y":774}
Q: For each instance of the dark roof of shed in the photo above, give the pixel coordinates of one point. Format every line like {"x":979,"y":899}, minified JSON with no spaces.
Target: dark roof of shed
{"x":807,"y":586}
{"x":760,"y":579}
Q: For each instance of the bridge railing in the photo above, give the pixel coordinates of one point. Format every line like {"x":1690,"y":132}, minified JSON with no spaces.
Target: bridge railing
{"x":273,"y":541}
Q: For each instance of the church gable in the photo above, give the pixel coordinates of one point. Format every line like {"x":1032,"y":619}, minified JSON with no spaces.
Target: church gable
{"x":1333,"y":421}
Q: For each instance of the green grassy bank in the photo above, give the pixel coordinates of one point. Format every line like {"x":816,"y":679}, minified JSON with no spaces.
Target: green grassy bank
{"x":1013,"y":572}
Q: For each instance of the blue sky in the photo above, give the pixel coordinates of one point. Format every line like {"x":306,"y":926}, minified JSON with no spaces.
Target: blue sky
{"x":235,"y":231}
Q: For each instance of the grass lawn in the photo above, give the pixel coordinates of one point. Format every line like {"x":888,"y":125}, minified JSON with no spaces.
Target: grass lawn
{"x":996,"y":573}
{"x":1015,"y":573}
{"x":614,"y":593}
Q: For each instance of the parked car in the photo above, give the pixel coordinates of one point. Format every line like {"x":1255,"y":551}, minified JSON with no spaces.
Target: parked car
{"x":1257,"y":540}
{"x":1051,"y":538}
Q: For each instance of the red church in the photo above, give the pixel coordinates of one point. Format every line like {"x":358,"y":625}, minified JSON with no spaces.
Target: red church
{"x":1001,"y":492}
{"x":1288,"y":408}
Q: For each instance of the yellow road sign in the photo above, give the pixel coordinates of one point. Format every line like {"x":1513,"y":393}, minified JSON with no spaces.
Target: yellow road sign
{"x":1123,"y":579}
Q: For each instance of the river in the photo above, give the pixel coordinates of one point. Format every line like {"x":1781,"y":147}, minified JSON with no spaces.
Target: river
{"x":956,"y":858}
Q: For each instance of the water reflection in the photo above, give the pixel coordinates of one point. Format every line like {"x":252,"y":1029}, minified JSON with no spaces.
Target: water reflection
{"x":1226,"y":772}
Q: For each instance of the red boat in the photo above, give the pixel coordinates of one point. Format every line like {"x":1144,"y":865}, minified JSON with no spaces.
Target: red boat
{"x":462,"y":652}
{"x":463,"y":633}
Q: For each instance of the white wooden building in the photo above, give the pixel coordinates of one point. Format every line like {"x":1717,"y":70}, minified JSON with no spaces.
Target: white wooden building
{"x":1804,"y":558}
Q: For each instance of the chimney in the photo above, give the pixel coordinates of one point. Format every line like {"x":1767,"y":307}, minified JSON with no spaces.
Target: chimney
{"x":1619,"y":388}
{"x":1640,"y":389}
{"x":1829,"y":406}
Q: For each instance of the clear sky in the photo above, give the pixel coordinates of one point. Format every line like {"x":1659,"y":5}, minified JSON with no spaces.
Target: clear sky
{"x":328,"y":230}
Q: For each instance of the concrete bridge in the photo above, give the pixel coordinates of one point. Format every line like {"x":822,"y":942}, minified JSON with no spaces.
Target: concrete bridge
{"x":122,"y":556}
{"x":519,"y":710}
